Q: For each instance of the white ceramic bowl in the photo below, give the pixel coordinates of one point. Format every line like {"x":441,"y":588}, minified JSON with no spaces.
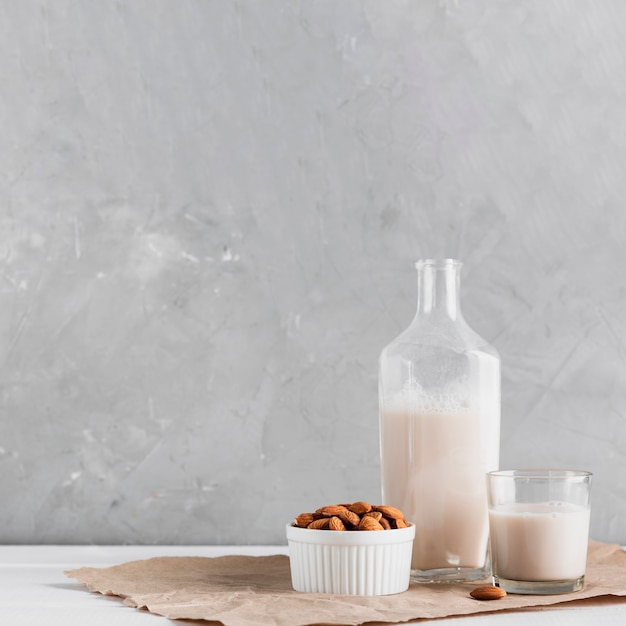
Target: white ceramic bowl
{"x":353,"y":562}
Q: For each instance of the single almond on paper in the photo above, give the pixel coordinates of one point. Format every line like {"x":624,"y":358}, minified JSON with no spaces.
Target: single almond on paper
{"x":488,"y":592}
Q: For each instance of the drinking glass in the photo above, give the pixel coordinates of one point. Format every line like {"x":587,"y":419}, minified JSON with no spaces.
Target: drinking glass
{"x":539,"y":529}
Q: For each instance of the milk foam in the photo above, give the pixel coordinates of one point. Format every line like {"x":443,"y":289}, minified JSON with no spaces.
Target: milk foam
{"x":413,"y":399}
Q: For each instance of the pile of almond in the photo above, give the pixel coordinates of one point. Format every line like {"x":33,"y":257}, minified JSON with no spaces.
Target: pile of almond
{"x":355,"y":516}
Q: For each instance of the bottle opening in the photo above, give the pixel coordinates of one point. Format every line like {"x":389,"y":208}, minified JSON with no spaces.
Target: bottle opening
{"x":438,"y":264}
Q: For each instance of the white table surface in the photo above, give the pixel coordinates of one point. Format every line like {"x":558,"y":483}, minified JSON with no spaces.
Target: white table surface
{"x":34,"y":590}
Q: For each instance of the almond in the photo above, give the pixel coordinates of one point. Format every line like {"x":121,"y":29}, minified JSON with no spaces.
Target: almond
{"x":304,"y":519}
{"x":377,"y":515}
{"x":488,"y":592}
{"x":349,"y":518}
{"x":333,"y":509}
{"x":360,"y":507}
{"x":369,"y":523}
{"x":334,"y":523}
{"x":340,"y":511}
{"x":384,"y":522}
{"x":390,"y":511}
{"x":320,"y":524}
{"x":401,"y":523}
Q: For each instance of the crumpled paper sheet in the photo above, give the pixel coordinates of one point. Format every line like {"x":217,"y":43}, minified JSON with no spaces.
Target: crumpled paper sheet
{"x":249,"y":591}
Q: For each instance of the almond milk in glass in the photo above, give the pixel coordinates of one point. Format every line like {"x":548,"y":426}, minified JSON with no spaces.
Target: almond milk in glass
{"x":539,"y":522}
{"x":439,"y":396}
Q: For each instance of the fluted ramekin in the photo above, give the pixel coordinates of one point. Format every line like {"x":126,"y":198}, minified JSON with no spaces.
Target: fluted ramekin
{"x":350,"y":562}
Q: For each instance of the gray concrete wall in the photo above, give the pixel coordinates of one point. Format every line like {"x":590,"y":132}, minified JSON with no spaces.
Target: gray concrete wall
{"x":210,"y":212}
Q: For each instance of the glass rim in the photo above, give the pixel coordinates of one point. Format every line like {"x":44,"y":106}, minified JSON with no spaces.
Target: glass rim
{"x":438,"y":264}
{"x":542,"y":472}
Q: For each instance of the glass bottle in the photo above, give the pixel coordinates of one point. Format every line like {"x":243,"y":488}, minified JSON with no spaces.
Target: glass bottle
{"x":439,"y":397}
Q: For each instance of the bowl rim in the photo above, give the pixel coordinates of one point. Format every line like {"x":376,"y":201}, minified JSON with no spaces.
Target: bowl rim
{"x":350,"y":537}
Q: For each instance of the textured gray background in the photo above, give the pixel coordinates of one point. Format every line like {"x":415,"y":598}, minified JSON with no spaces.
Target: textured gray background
{"x":210,"y":212}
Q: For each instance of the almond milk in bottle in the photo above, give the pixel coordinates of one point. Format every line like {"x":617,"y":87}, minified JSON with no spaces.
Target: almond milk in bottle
{"x":439,"y":395}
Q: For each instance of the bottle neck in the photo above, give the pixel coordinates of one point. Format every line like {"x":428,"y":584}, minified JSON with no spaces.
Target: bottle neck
{"x":438,"y":285}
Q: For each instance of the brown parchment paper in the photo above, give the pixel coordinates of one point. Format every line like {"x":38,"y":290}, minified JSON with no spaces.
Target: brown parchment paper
{"x":247,"y":591}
